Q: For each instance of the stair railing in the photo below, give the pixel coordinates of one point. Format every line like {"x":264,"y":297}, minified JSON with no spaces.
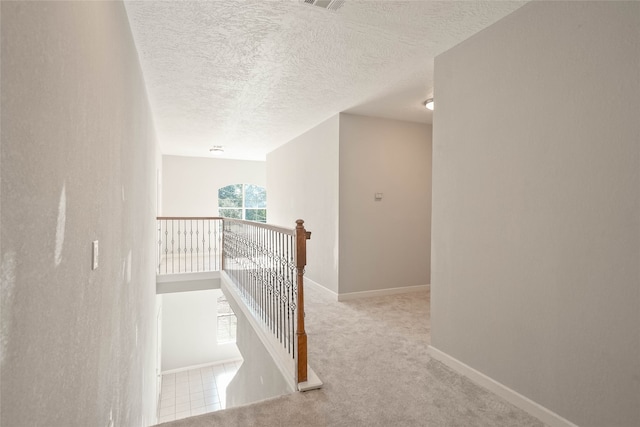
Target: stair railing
{"x":266,"y":264}
{"x":189,"y":244}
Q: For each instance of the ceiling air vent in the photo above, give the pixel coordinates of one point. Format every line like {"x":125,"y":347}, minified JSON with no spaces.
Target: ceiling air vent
{"x":326,"y":4}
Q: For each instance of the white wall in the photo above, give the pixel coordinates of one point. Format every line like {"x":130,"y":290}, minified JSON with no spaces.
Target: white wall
{"x":259,"y":377}
{"x":536,"y":207}
{"x":189,"y":330}
{"x":190,"y":184}
{"x":328,"y":177}
{"x":387,"y":243}
{"x":302,"y":183}
{"x":78,"y":164}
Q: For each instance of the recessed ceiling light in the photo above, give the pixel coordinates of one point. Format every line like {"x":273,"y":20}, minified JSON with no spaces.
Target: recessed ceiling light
{"x":429,"y":104}
{"x":216,"y":149}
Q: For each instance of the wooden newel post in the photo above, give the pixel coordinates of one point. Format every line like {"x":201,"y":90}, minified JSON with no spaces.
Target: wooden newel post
{"x":301,"y":261}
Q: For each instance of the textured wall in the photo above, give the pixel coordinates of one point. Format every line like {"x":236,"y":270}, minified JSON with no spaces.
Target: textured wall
{"x":384,"y":244}
{"x":78,"y":164}
{"x":302,"y":183}
{"x":190,"y":184}
{"x":536,"y":207}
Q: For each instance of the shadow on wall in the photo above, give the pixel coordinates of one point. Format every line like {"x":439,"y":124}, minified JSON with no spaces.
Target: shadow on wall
{"x":258,"y":378}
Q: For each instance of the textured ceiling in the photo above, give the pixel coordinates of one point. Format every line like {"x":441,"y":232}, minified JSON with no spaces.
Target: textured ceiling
{"x":252,"y":75}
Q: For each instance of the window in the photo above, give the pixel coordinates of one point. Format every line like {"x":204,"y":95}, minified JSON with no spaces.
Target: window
{"x":243,"y":201}
{"x":227,"y":322}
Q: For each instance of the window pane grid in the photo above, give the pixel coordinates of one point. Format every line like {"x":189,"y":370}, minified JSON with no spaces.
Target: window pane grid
{"x":243,"y":201}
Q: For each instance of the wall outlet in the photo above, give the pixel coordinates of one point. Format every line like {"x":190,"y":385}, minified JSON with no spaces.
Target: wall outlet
{"x":95,"y":255}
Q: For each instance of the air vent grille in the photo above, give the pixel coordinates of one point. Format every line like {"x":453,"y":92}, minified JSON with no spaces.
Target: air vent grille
{"x":325,"y":4}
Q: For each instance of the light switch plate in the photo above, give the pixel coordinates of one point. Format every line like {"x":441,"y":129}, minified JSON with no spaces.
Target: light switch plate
{"x":95,"y":255}
{"x":378,"y":197}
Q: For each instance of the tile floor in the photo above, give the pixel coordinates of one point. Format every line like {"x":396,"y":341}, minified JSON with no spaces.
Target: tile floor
{"x":195,"y":392}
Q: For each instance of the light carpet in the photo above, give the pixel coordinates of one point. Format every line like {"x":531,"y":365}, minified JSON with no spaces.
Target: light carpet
{"x":372,"y":356}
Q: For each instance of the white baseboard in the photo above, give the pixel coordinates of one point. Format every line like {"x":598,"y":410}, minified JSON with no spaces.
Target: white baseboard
{"x":203,"y":365}
{"x":315,"y":285}
{"x":382,"y":292}
{"x":548,"y":417}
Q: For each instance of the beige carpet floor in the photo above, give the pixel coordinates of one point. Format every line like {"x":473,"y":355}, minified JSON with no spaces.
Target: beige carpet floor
{"x":372,"y":356}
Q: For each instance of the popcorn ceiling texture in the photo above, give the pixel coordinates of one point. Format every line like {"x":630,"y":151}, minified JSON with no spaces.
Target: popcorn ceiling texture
{"x":252,"y":75}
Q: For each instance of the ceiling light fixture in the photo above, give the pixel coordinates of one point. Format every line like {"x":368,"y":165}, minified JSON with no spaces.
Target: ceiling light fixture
{"x":429,"y":104}
{"x":216,"y":149}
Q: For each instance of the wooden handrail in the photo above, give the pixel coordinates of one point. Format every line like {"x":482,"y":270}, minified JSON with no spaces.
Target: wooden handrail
{"x":277,"y":228}
{"x":187,"y":217}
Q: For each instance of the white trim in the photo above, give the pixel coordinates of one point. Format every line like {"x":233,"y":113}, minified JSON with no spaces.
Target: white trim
{"x":187,"y":282}
{"x":203,"y":365}
{"x":548,"y":417}
{"x":317,"y":286}
{"x":313,"y":382}
{"x":382,"y":292}
{"x":184,"y":277}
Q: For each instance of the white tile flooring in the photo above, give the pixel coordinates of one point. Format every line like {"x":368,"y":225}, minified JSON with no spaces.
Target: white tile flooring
{"x":195,"y":392}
